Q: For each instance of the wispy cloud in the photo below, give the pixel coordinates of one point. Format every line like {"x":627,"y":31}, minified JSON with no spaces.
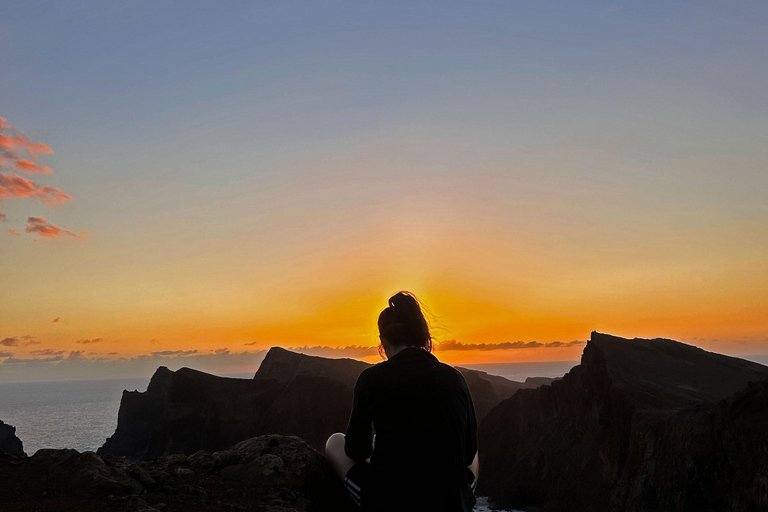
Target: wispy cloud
{"x":34,"y":361}
{"x":174,"y":353}
{"x":88,"y":342}
{"x":47,"y":352}
{"x":76,"y":354}
{"x":6,"y":354}
{"x":362,"y":351}
{"x":346,"y":351}
{"x":507,"y":345}
{"x":62,"y":365}
{"x":2,"y":217}
{"x":45,"y":229}
{"x":13,"y":231}
{"x":17,"y":187}
{"x":57,"y":319}
{"x":30,"y":167}
{"x":10,"y":342}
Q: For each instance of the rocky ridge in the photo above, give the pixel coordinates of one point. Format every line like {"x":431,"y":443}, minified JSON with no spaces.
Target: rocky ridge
{"x":291,"y":393}
{"x":638,"y":425}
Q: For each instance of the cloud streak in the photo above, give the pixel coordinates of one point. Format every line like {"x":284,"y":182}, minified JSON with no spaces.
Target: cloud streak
{"x":508,"y":345}
{"x":30,"y":167}
{"x":13,"y":186}
{"x":10,"y":342}
{"x":449,"y":345}
{"x":61,"y":365}
{"x":45,"y":229}
{"x":88,"y":342}
{"x":47,"y":352}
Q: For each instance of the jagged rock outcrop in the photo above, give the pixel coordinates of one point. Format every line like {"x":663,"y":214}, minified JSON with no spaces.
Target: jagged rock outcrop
{"x":639,"y":425}
{"x":9,"y":443}
{"x":291,"y":393}
{"x":269,"y":473}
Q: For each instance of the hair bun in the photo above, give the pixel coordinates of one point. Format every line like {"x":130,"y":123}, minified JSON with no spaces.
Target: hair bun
{"x":403,"y":322}
{"x":403,"y":301}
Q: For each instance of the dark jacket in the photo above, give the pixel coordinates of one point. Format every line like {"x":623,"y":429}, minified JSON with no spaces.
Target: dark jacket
{"x":426,"y":434}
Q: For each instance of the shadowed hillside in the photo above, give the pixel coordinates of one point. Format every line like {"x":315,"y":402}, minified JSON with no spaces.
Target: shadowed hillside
{"x":638,"y":425}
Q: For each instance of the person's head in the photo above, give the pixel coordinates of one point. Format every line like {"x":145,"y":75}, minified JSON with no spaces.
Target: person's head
{"x":402,"y":324}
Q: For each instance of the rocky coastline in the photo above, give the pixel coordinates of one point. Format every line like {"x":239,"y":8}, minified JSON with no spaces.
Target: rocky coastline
{"x":638,"y":425}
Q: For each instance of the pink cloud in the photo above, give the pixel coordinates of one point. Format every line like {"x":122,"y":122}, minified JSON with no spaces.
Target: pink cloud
{"x":30,"y":167}
{"x":47,"y":230}
{"x":13,"y":231}
{"x":19,"y":140}
{"x":38,"y":148}
{"x":2,"y":217}
{"x":14,"y":186}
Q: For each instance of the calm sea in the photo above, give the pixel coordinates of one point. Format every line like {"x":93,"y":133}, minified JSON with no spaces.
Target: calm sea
{"x":82,"y":414}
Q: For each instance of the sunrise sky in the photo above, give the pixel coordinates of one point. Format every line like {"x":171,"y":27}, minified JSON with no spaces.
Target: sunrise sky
{"x":227,"y":176}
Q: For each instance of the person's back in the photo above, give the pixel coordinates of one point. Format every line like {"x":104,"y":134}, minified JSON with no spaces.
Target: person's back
{"x":425,"y":453}
{"x":423,"y":414}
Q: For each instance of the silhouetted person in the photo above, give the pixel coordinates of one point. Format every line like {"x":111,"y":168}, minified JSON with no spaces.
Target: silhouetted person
{"x":411,"y":442}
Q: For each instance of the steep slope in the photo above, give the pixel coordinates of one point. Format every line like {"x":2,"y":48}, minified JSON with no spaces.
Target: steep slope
{"x":615,"y":432}
{"x":9,"y":443}
{"x":291,"y":393}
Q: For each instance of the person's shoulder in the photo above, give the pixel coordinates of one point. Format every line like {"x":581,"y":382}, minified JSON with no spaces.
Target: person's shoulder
{"x":371,"y":373}
{"x":452,"y":372}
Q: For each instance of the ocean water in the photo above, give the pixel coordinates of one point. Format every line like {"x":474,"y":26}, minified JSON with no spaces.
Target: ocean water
{"x":521,"y":371}
{"x":77,"y":414}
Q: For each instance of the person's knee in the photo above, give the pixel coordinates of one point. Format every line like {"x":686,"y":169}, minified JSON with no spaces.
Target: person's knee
{"x":334,"y":443}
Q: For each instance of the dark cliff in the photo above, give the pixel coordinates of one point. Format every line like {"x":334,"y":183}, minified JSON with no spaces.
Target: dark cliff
{"x":291,"y":393}
{"x":638,"y":425}
{"x":9,"y":443}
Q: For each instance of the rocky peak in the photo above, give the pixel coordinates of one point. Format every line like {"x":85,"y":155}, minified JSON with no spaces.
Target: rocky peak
{"x":9,"y":443}
{"x":283,"y":366}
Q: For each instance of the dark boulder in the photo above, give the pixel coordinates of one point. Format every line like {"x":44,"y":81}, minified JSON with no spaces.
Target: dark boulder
{"x":270,"y":473}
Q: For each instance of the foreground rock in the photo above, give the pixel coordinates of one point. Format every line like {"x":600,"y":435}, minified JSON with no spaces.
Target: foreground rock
{"x":269,"y":473}
{"x":638,"y":425}
{"x":9,"y":443}
{"x":311,"y":397}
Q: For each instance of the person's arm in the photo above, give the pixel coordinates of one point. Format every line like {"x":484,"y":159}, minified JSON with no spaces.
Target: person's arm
{"x":470,"y":442}
{"x":359,"y":443}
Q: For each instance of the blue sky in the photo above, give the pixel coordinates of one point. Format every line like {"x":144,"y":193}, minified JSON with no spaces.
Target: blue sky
{"x":243,"y":149}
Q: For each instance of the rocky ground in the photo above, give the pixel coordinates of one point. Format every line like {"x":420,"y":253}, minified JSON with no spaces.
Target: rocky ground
{"x":270,"y":473}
